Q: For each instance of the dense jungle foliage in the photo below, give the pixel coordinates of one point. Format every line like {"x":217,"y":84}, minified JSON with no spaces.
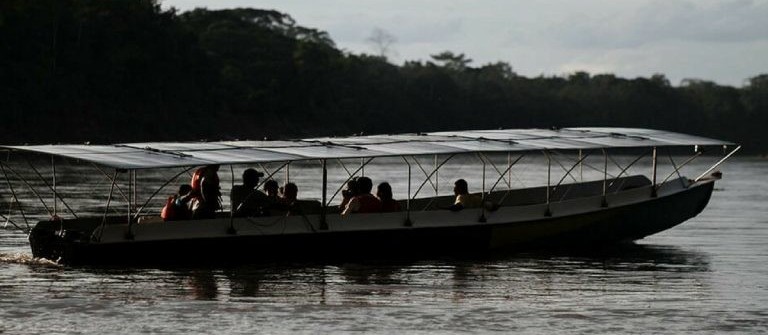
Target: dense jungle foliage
{"x":113,"y":71}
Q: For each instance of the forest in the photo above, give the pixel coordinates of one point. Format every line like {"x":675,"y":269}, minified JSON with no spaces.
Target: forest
{"x":74,"y":71}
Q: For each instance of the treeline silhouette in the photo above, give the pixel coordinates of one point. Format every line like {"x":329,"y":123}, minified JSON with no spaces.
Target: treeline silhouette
{"x":113,"y":71}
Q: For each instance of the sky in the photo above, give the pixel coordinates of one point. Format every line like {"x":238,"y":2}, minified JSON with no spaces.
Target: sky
{"x":723,"y":41}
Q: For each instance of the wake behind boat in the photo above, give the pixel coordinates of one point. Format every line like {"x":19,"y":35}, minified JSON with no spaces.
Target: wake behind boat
{"x":611,"y":209}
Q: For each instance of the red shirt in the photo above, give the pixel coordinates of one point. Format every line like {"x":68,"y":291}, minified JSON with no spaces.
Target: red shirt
{"x":364,"y":203}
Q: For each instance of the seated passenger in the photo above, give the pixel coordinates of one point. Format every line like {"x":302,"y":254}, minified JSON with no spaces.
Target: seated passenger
{"x":246,"y":199}
{"x":347,"y":194}
{"x":364,"y":201}
{"x":384,"y":193}
{"x":177,"y":206}
{"x":270,"y":188}
{"x":463,"y":198}
{"x":272,"y":199}
{"x":209,"y":173}
{"x":206,"y":205}
{"x":289,"y":194}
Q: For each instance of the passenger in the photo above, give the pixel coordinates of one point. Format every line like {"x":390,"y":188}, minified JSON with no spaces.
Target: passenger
{"x":206,"y":172}
{"x":463,"y":198}
{"x":206,"y":194}
{"x":177,"y":206}
{"x":272,"y":198}
{"x":270,"y":188}
{"x":364,"y":201}
{"x":246,"y":199}
{"x":205,"y":204}
{"x":384,"y":193}
{"x":290,"y":194}
{"x":350,"y":192}
{"x":202,"y":209}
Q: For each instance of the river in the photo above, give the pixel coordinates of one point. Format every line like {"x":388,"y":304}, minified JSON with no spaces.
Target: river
{"x":708,"y":275}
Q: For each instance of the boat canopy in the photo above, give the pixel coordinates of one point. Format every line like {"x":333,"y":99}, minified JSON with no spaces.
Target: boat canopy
{"x":152,"y":155}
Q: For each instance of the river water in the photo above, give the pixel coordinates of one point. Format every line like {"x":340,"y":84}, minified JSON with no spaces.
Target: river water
{"x":708,"y":275}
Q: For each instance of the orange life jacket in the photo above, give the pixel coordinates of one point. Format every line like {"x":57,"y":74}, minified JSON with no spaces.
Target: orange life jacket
{"x":169,"y":210}
{"x":172,"y":211}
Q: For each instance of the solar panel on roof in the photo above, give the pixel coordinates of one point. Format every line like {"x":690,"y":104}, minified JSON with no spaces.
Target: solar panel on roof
{"x":175,"y":154}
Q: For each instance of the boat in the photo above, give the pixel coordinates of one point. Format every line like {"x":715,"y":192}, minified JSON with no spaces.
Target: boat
{"x":614,"y":208}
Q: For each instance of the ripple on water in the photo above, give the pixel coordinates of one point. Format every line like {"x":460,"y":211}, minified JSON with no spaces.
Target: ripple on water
{"x":27,"y":259}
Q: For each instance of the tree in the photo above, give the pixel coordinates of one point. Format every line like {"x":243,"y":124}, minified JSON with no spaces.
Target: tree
{"x":382,"y":42}
{"x":449,"y":60}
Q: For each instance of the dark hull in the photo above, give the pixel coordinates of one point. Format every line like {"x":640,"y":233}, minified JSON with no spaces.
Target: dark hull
{"x":608,"y":225}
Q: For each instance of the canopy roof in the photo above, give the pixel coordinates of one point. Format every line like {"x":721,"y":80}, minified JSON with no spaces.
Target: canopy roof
{"x":180,"y":154}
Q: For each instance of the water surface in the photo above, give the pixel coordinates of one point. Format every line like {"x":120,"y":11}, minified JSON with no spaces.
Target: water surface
{"x":708,"y":275}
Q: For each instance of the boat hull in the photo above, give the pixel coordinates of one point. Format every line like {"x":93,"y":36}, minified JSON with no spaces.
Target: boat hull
{"x":611,"y":224}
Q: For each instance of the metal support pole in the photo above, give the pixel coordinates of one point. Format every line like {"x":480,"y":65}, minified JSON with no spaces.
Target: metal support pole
{"x":482,"y":197}
{"x":34,"y":191}
{"x":135,"y":189}
{"x":567,"y":173}
{"x":677,"y":169}
{"x":129,"y":234}
{"x":15,"y":198}
{"x":287,"y":173}
{"x":437,"y":177}
{"x":351,"y":175}
{"x":509,"y":171}
{"x":231,"y":230}
{"x":324,"y":209}
{"x":653,"y":173}
{"x":581,"y":166}
{"x":429,"y":176}
{"x":566,"y":170}
{"x":362,"y":167}
{"x":502,"y":173}
{"x":483,"y":194}
{"x":717,"y":164}
{"x":57,"y":195}
{"x":604,"y":202}
{"x":345,"y":168}
{"x":624,"y":170}
{"x":8,"y":220}
{"x":106,"y":209}
{"x":119,"y":189}
{"x":408,"y":222}
{"x":548,"y":212}
{"x":55,"y":202}
{"x":140,"y":209}
{"x":269,"y":174}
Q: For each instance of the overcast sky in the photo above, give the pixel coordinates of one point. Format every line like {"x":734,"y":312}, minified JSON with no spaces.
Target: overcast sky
{"x":723,"y":41}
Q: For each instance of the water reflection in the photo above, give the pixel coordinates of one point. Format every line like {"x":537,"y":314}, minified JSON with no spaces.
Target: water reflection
{"x":203,"y":284}
{"x":626,"y":257}
{"x":489,"y":276}
{"x":486,"y":288}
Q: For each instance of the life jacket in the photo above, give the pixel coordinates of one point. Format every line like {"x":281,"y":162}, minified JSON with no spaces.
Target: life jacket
{"x":169,"y":210}
{"x":368,"y":204}
{"x":172,"y":211}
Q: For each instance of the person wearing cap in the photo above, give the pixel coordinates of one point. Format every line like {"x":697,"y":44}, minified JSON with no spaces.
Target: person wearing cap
{"x":246,"y":199}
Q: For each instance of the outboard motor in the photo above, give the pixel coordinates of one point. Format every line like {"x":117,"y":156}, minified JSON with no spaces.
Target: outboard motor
{"x":45,"y":241}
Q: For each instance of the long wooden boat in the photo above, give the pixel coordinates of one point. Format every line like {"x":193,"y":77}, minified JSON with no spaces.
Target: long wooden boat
{"x":614,"y":209}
